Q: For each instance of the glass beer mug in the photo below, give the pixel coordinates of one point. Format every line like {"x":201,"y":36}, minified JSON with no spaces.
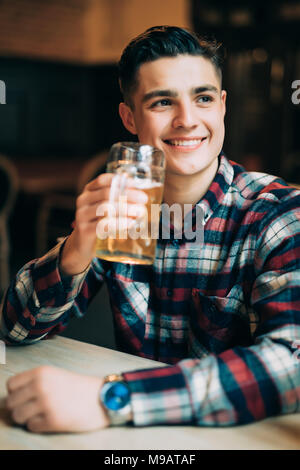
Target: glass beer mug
{"x":145,"y":166}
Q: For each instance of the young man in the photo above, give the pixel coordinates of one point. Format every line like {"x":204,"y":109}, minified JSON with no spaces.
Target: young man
{"x":224,"y":315}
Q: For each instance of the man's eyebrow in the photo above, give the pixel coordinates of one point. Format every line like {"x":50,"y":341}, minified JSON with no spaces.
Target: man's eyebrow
{"x":159,"y":93}
{"x":205,"y":88}
{"x":174,"y":94}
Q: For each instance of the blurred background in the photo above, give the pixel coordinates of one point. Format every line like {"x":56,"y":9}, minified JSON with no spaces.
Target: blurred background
{"x":58,"y":78}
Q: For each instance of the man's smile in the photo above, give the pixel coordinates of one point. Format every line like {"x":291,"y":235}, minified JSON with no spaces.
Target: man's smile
{"x":184,"y":143}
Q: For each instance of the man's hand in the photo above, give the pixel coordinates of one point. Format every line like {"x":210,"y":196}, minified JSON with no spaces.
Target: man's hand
{"x":48,"y":399}
{"x":79,"y":248}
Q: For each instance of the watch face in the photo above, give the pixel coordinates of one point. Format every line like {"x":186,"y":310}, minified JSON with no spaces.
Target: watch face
{"x":116,"y":396}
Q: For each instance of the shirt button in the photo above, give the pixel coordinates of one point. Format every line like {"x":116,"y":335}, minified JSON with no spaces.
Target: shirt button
{"x":169,"y":293}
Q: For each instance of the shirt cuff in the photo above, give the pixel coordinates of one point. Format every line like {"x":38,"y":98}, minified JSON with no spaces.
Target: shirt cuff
{"x":159,"y":396}
{"x":50,"y":284}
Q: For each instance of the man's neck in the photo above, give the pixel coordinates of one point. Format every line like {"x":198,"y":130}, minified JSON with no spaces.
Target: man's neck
{"x":183,"y":189}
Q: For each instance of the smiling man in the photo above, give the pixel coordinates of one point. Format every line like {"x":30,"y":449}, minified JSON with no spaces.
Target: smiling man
{"x":223,"y":316}
{"x":179,"y":107}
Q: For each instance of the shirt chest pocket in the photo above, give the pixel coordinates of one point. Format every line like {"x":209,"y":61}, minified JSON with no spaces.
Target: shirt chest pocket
{"x":218,"y":323}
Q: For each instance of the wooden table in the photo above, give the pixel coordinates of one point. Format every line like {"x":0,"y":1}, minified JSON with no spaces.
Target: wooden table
{"x":273,"y":433}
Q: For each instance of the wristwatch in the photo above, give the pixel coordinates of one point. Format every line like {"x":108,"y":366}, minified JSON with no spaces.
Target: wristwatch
{"x":115,"y":398}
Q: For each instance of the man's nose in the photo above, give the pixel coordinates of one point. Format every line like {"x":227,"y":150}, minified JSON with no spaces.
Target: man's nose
{"x":185,"y":116}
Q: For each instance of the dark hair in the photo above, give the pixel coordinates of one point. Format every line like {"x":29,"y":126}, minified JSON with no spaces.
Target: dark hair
{"x":163,"y":41}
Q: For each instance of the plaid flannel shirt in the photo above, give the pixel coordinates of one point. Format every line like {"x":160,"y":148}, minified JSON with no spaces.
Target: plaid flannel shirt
{"x":224,"y":317}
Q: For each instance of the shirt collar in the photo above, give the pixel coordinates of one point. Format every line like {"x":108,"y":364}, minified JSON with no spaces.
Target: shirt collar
{"x":218,"y":188}
{"x":213,"y":197}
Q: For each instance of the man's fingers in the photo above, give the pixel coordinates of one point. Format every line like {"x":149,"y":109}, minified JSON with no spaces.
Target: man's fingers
{"x":103,"y":195}
{"x":21,"y":414}
{"x":19,"y":380}
{"x":115,"y":209}
{"x":38,"y":423}
{"x":19,"y":396}
{"x":105,"y":180}
{"x":136,"y":195}
{"x":102,"y":180}
{"x":106,"y":209}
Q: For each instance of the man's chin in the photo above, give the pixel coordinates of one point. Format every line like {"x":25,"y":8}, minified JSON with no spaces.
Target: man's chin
{"x":189,"y":168}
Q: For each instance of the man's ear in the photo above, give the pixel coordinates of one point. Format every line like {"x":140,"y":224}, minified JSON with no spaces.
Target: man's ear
{"x":223,"y":100}
{"x":126,"y":115}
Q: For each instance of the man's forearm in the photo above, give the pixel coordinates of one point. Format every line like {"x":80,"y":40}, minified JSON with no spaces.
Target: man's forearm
{"x":71,"y":262}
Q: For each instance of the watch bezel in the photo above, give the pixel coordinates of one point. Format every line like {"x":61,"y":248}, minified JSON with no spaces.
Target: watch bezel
{"x":123,"y":414}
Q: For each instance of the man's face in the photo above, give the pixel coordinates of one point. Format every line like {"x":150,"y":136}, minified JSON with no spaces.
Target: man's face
{"x":179,"y":107}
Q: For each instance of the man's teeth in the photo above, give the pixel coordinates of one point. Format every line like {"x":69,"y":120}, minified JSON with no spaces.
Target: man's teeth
{"x":185,"y":143}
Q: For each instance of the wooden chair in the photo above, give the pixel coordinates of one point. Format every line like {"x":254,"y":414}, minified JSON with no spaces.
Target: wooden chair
{"x":9,"y":184}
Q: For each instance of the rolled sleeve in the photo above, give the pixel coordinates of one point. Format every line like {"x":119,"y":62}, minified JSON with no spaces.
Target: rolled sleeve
{"x":159,"y":396}
{"x":50,"y":284}
{"x":39,"y":302}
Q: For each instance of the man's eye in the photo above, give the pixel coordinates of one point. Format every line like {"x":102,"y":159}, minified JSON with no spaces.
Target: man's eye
{"x":161,"y":103}
{"x":204,"y":99}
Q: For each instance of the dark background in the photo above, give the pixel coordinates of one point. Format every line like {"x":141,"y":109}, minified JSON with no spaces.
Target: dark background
{"x":262,"y":41}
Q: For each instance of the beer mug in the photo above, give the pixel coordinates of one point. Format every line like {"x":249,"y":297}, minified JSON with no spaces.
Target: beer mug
{"x":144,"y":165}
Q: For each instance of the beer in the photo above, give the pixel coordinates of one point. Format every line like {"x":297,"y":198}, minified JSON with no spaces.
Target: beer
{"x":136,"y":245}
{"x":144,"y":165}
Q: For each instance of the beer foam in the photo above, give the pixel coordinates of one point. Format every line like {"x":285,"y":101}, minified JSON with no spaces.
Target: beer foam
{"x":145,"y":183}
